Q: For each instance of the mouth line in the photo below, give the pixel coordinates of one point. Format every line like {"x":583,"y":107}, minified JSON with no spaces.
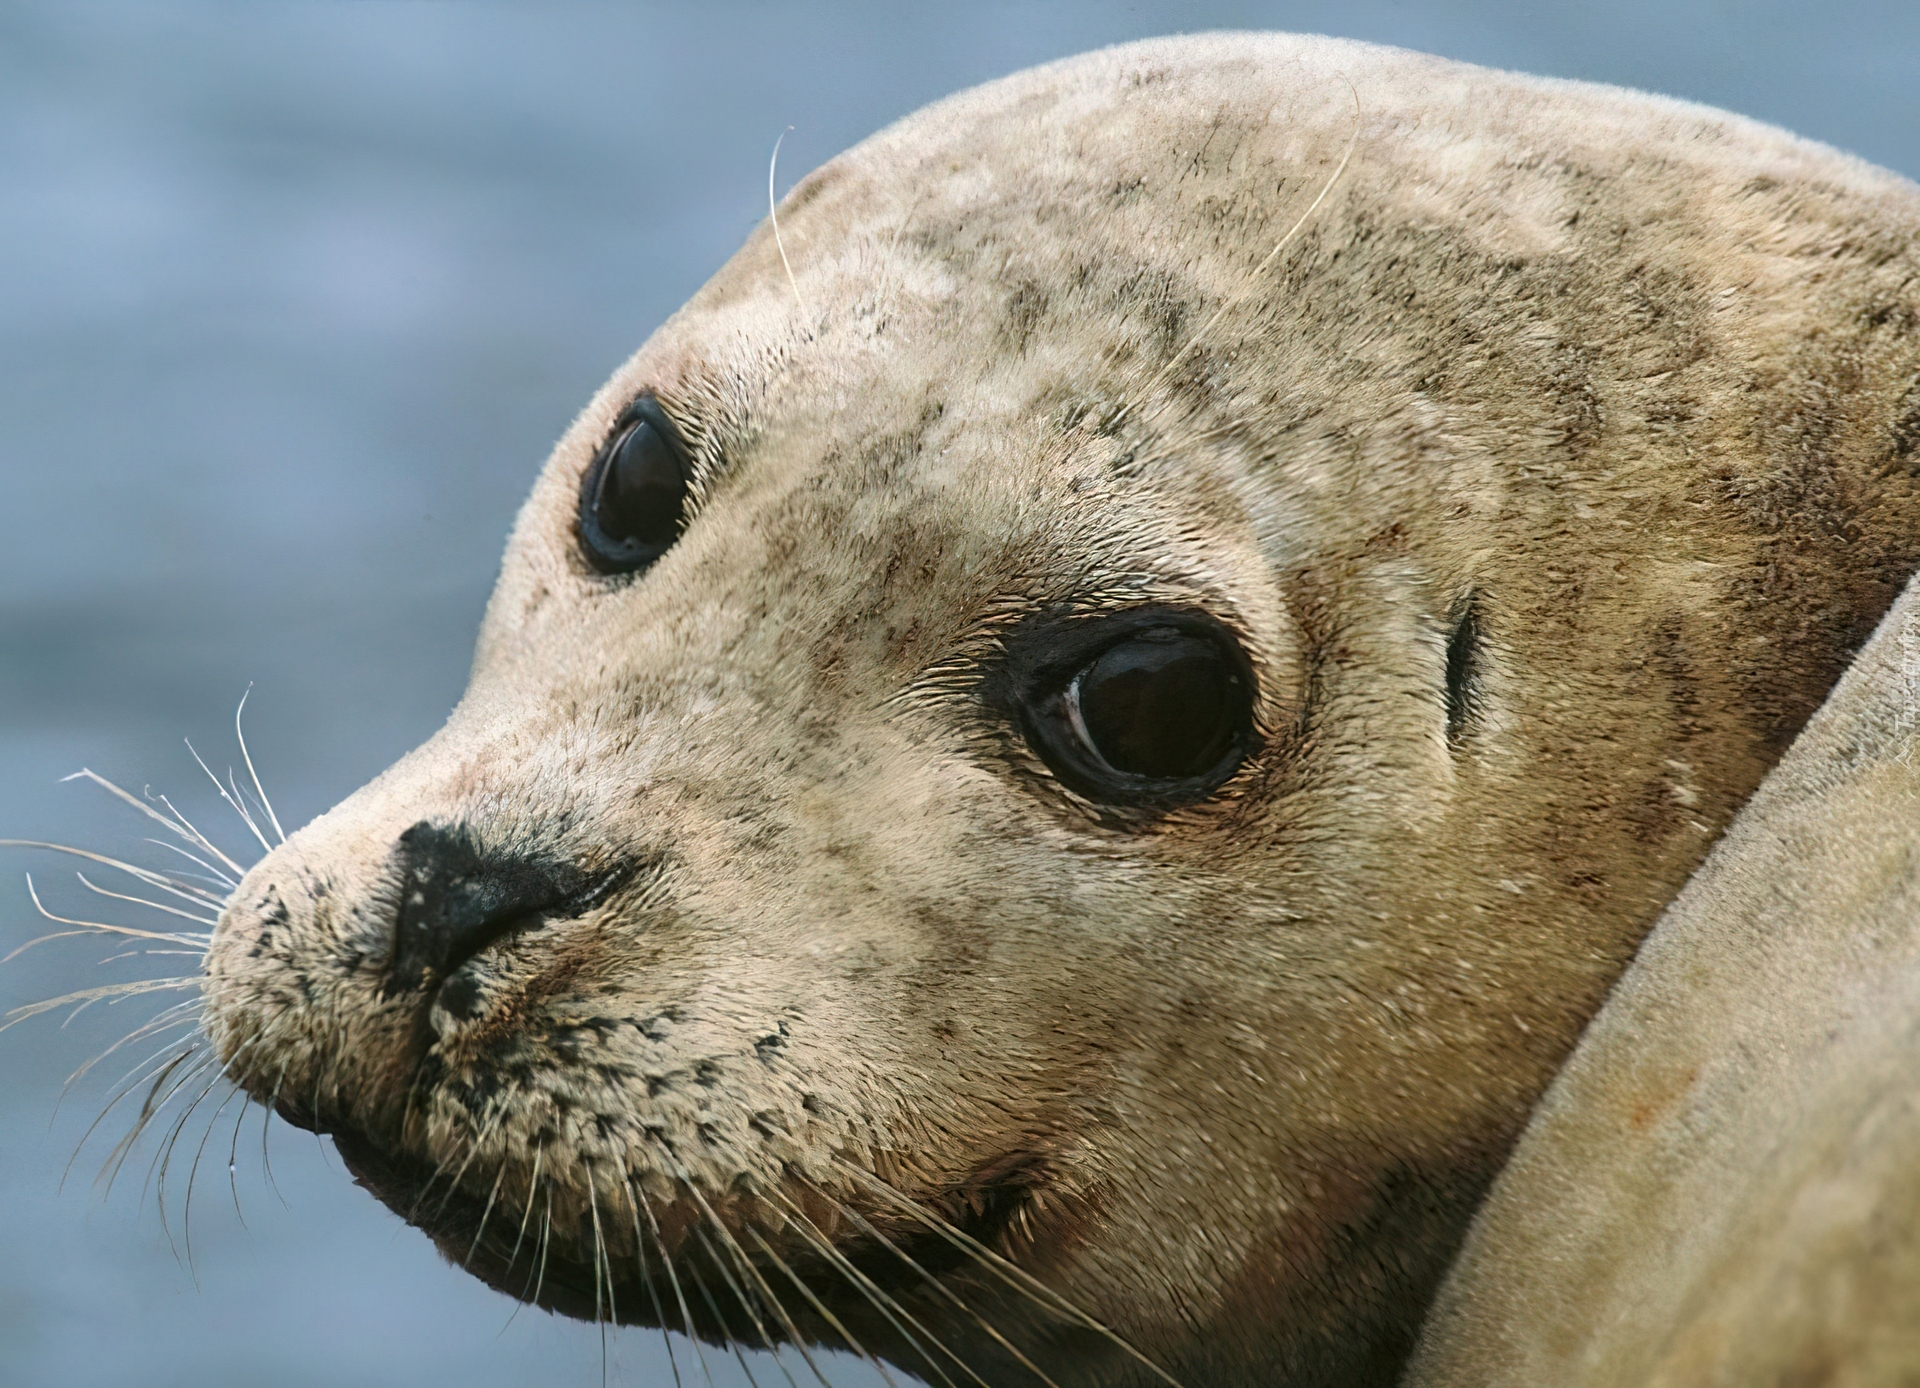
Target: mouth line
{"x":537,"y":1268}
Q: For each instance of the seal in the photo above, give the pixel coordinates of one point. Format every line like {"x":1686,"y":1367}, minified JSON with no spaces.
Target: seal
{"x":1060,"y":757}
{"x":1720,"y":1187}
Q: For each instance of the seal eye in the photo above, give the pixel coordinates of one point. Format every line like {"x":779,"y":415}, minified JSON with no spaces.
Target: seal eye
{"x":1144,"y":709}
{"x":633,"y":496}
{"x":1159,"y":706}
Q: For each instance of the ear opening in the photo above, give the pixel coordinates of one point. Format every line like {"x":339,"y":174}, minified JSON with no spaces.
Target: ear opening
{"x":1463,"y":657}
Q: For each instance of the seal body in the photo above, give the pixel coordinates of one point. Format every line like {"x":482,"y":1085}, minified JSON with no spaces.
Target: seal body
{"x":1544,"y":478}
{"x":1720,"y":1187}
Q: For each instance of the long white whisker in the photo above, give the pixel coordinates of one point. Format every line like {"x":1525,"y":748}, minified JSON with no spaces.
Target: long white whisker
{"x":151,"y":1071}
{"x":1012,"y":1275}
{"x":238,"y":808}
{"x":673,"y":1280}
{"x":952,"y":1297}
{"x":819,"y":1306}
{"x":706,"y":1295}
{"x":94,"y":887}
{"x":253,"y":775}
{"x":492,"y":1194}
{"x":199,"y":837}
{"x":213,"y":874}
{"x":165,"y":937}
{"x":779,"y":1308}
{"x":186,"y":891}
{"x":883,"y":1303}
{"x":195,"y":1063}
{"x":773,"y":215}
{"x":175,"y":822}
{"x":646,"y":1277}
{"x":86,"y":997}
{"x":746,"y":1303}
{"x":179,"y":1015}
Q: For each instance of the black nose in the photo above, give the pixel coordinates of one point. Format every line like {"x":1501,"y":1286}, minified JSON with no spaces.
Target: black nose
{"x":456,"y":899}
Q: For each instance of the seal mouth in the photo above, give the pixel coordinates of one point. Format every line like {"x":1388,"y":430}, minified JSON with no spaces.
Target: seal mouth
{"x":831,"y":1288}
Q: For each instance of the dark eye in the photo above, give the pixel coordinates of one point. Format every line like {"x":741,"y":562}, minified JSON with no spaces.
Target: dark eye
{"x":633,"y":496}
{"x":1149,"y":708}
{"x":1160,"y":706}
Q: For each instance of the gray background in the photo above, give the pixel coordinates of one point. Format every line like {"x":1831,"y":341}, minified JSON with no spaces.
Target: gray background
{"x":293,"y":300}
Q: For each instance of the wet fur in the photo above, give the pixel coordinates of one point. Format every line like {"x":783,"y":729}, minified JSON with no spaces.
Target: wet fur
{"x":1630,"y":383}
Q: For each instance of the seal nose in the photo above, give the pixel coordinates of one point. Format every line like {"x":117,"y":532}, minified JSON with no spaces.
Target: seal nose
{"x":456,"y":899}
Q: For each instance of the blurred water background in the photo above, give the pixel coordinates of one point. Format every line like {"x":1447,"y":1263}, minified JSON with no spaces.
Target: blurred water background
{"x":293,"y":300}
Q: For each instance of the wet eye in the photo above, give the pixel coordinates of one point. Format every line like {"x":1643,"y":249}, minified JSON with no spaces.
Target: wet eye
{"x":1161,"y":706}
{"x":633,"y":498}
{"x":1149,"y":708}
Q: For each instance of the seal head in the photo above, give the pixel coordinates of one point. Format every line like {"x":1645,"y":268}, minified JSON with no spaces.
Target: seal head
{"x":1044,"y":792}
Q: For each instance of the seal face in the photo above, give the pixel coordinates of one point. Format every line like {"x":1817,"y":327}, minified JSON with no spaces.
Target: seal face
{"x":1039,"y":797}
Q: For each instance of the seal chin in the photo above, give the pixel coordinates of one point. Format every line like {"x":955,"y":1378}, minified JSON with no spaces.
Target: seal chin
{"x":547,"y":1271}
{"x":838,"y":1277}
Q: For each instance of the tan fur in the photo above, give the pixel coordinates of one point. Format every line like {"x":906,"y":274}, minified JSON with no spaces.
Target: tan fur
{"x":1721,"y":1189}
{"x":1634,"y":380}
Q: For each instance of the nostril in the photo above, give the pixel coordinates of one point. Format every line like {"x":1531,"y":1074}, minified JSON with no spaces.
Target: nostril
{"x":456,"y":899}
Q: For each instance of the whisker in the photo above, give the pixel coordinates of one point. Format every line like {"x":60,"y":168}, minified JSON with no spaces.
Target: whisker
{"x":773,"y":215}
{"x":486,"y":1210}
{"x":153,"y":954}
{"x":886,"y":266}
{"x":440,"y":1168}
{"x":165,"y":1158}
{"x":779,"y":1307}
{"x":499,"y":1111}
{"x":175,"y":822}
{"x":193,"y":1171}
{"x":267,"y":1110}
{"x":163,"y":1161}
{"x":646,"y":1277}
{"x":86,"y":929}
{"x":1009,"y":1273}
{"x":726,"y":1330}
{"x":882,"y":1302}
{"x":159,"y":1094}
{"x":86,"y":997}
{"x":238,"y":808}
{"x":673,"y":1280}
{"x":197,"y":837}
{"x":179,"y":1015}
{"x":131,"y":1082}
{"x":819,"y":1306}
{"x":541,"y":1265}
{"x":1234,"y":300}
{"x":746,"y":1305}
{"x":942,"y":1288}
{"x":212,"y":875}
{"x":533,"y":1190}
{"x":546,"y":1245}
{"x":208,"y":921}
{"x":171,"y":937}
{"x":184,"y":890}
{"x":233,"y":1161}
{"x":600,"y":1263}
{"x":254,"y":776}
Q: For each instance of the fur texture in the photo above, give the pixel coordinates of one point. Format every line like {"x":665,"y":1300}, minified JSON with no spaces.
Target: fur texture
{"x":1622,"y":389}
{"x":1720,"y":1189}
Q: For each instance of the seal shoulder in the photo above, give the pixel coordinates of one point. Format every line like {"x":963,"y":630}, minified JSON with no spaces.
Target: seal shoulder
{"x":1720,"y":1186}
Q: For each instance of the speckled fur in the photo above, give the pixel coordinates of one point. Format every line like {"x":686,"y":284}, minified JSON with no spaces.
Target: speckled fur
{"x":1635,"y":380}
{"x":1721,"y":1188}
